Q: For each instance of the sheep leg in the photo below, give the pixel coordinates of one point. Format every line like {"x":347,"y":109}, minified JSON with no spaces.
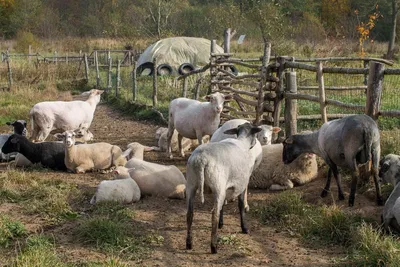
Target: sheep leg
{"x":199,"y":136}
{"x":221,"y":218}
{"x":336,"y":174}
{"x":180,"y":137}
{"x":219,"y":202}
{"x":374,"y":170}
{"x":241,"y":201}
{"x":171,"y":129}
{"x":246,"y":204}
{"x":189,"y":216}
{"x":328,"y":184}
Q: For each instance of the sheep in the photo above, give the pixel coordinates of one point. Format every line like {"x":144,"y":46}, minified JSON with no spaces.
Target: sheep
{"x":123,"y":189}
{"x":221,"y":166}
{"x":63,"y":115}
{"x":82,"y":136}
{"x":161,"y":141}
{"x":194,"y":119}
{"x":390,"y":169}
{"x":346,"y":143}
{"x":136,"y":150}
{"x":390,"y":173}
{"x":273,"y":174}
{"x":84,"y":157}
{"x":156,"y":179}
{"x":19,"y":127}
{"x":49,"y":154}
{"x":264,"y":137}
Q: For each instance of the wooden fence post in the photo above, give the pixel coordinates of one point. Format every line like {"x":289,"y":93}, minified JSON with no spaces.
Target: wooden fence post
{"x":227,"y":40}
{"x":134,"y":82}
{"x":29,"y":53}
{"x":291,"y":105}
{"x":86,"y":67}
{"x":10,"y":81}
{"x":96,"y":62}
{"x":374,"y":89}
{"x":154,"y":82}
{"x":212,"y":66}
{"x":366,"y":64}
{"x":321,"y":87}
{"x":109,"y":78}
{"x":279,"y":93}
{"x":263,"y":81}
{"x":118,"y":78}
{"x":185,"y":86}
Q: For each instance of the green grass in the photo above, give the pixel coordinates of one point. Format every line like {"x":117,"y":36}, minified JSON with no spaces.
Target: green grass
{"x":365,"y":243}
{"x":10,"y":230}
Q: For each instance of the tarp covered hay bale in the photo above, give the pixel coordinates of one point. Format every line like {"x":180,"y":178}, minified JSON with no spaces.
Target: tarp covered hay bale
{"x":178,"y":50}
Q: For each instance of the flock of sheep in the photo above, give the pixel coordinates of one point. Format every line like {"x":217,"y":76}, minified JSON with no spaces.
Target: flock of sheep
{"x":238,"y":155}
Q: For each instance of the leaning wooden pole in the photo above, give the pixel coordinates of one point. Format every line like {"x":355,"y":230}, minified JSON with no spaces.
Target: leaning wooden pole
{"x":10,"y":81}
{"x":262,"y":84}
{"x":134,"y":82}
{"x":321,"y":87}
{"x":212,"y":66}
{"x":374,"y":89}
{"x":109,"y":75}
{"x":96,"y":61}
{"x":291,"y":105}
{"x":86,"y":67}
{"x":117,"y":86}
{"x":154,"y":82}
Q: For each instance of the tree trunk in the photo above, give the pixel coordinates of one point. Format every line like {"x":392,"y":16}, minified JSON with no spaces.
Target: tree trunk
{"x":390,"y":52}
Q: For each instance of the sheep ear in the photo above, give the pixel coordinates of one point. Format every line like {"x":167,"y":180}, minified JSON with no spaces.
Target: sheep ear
{"x":59,"y":136}
{"x":207,"y":97}
{"x":148,"y":148}
{"x":276,"y":129}
{"x":99,"y":92}
{"x":289,"y":140}
{"x":228,"y":97}
{"x":231,"y":131}
{"x":9,"y":123}
{"x":255,"y":130}
{"x":86,"y":93}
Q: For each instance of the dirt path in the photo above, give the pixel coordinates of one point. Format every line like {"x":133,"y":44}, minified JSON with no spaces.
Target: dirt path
{"x":264,"y":245}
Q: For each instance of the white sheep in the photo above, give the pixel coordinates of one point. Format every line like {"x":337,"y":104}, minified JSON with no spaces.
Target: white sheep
{"x":63,"y":115}
{"x":223,"y":166}
{"x":136,"y":150}
{"x":273,"y":174}
{"x":264,"y":137}
{"x":161,"y":141}
{"x":157,"y":180}
{"x":97,"y":156}
{"x":123,"y":189}
{"x":194,"y":119}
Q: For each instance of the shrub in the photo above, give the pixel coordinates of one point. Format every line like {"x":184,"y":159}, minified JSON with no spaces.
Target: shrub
{"x":24,"y":40}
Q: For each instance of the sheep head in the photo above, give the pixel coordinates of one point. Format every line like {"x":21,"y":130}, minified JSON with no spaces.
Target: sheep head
{"x":12,"y":144}
{"x":19,"y":126}
{"x":68,"y":138}
{"x":245,"y":130}
{"x":217,"y":101}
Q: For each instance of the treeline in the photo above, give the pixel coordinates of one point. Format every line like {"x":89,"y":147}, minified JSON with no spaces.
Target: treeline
{"x":302,"y":20}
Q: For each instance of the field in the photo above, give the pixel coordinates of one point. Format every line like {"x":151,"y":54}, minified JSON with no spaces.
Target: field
{"x":46,"y":218}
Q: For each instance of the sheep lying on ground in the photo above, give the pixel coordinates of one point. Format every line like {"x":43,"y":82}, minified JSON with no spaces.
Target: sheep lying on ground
{"x":161,"y":140}
{"x":194,"y":119}
{"x":19,"y":127}
{"x":123,"y":189}
{"x":155,"y":179}
{"x":264,"y":137}
{"x":221,"y":166}
{"x":275,"y":175}
{"x":63,"y":115}
{"x":84,"y":157}
{"x":346,"y":143}
{"x":49,"y":154}
{"x":82,"y":134}
{"x":136,"y":150}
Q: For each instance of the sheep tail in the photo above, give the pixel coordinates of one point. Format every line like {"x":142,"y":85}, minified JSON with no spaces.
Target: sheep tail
{"x":367,"y":146}
{"x":201,"y":185}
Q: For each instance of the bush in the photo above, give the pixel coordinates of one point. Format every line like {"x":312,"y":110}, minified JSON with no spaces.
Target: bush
{"x":24,"y":40}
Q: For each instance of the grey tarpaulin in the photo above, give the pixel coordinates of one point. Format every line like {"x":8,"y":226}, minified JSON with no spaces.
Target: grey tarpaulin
{"x":178,"y":50}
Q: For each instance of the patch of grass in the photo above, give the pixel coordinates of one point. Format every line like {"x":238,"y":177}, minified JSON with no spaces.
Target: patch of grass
{"x":38,"y":251}
{"x":10,"y":230}
{"x":229,"y":240}
{"x":111,"y":262}
{"x":110,"y":229}
{"x":372,"y":248}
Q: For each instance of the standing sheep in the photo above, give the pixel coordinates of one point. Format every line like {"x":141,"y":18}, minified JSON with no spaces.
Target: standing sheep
{"x":345,"y":143}
{"x":84,"y":157}
{"x":273,"y":174}
{"x":123,"y":189}
{"x":221,"y":166}
{"x":194,"y":119}
{"x":63,"y":115}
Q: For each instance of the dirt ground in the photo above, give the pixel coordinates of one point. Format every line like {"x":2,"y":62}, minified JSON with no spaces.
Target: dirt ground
{"x":263,"y":246}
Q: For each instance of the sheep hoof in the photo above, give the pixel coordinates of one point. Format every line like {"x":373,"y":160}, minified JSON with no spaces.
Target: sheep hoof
{"x":324,"y":193}
{"x":341,"y":197}
{"x":213,"y":249}
{"x":170,"y":156}
{"x":245,"y":230}
{"x":247,"y":208}
{"x":188,"y":246}
{"x":380,"y":201}
{"x":351,"y":202}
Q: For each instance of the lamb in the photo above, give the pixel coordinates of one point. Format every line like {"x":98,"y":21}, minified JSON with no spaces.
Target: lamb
{"x":84,"y":157}
{"x":390,"y":173}
{"x":264,"y":137}
{"x":273,"y":174}
{"x":155,"y":179}
{"x":221,"y":166}
{"x":161,"y":141}
{"x":194,"y":119}
{"x":123,"y":189}
{"x":49,"y":154}
{"x":390,"y":169}
{"x":136,"y":150}
{"x":82,"y":136}
{"x":347,"y":143}
{"x":19,"y":127}
{"x":63,"y":115}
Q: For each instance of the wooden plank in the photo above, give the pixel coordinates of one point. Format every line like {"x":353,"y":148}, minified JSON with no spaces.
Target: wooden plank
{"x":334,"y":88}
{"x":339,"y":59}
{"x":237,"y":91}
{"x":246,"y":101}
{"x":321,"y":87}
{"x":374,"y":91}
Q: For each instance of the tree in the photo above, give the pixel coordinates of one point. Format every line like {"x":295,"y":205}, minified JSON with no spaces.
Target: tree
{"x":395,"y":11}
